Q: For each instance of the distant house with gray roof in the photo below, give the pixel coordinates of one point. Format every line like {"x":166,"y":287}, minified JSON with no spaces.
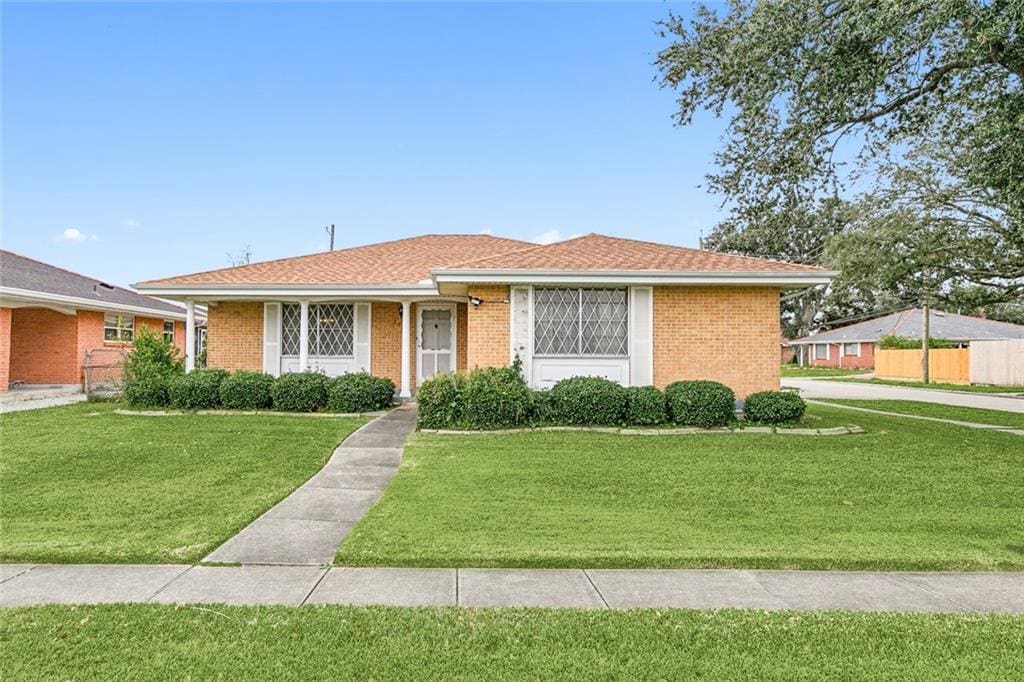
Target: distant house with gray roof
{"x":854,"y":345}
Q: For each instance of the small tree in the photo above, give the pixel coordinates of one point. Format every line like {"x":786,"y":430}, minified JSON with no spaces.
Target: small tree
{"x":149,"y":368}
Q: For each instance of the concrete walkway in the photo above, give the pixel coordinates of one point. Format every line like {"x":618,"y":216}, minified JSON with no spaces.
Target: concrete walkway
{"x":823,"y":388}
{"x":307,"y":527}
{"x":970,"y":425}
{"x":476,"y":587}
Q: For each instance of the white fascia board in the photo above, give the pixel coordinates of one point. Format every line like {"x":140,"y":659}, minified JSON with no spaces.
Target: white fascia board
{"x":287,"y":292}
{"x":636,"y":277}
{"x":7,"y":294}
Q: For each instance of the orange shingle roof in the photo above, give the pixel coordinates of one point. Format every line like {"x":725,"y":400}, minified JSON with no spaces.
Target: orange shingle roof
{"x":403,"y":261}
{"x":595,"y":252}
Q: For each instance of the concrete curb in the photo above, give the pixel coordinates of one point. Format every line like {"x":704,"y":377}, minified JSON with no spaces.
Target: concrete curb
{"x":834,"y":431}
{"x":250,"y":413}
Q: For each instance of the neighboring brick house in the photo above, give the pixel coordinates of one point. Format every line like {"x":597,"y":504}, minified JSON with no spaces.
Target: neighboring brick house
{"x":634,"y":312}
{"x":854,"y":345}
{"x":50,"y":318}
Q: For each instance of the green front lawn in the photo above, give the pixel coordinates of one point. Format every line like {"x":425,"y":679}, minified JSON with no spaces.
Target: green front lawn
{"x":82,"y":484}
{"x":797,"y":371}
{"x":938,"y":386}
{"x":906,"y":495}
{"x":963,"y":414}
{"x":152,"y":642}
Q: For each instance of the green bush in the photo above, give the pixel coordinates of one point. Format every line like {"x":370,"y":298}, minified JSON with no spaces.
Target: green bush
{"x":439,"y":401}
{"x":588,"y":400}
{"x":149,"y":368}
{"x":893,"y":342}
{"x":246,"y":390}
{"x":196,"y":390}
{"x":543,"y":407}
{"x":359,"y":392}
{"x":774,"y":407}
{"x":645,"y":406}
{"x":700,"y":403}
{"x":300,"y":392}
{"x":496,"y":397}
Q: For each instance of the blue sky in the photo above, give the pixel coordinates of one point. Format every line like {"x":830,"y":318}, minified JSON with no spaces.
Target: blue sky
{"x":149,"y":140}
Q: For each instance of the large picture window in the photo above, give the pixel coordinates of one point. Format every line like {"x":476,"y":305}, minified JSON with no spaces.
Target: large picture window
{"x":592,"y":322}
{"x":118,"y":327}
{"x":331,"y":329}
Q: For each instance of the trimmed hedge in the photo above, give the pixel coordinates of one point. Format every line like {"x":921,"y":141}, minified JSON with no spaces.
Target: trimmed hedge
{"x":645,"y":406}
{"x":700,"y":403}
{"x":246,"y":390}
{"x":774,"y":407}
{"x":197,"y":390}
{"x":588,"y":401}
{"x":300,"y":392}
{"x":496,"y":397}
{"x":439,"y":401}
{"x":146,"y":390}
{"x":359,"y":392}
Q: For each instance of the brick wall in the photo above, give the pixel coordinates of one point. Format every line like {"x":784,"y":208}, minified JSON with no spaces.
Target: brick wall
{"x":44,"y":347}
{"x":386,"y":345}
{"x":234,"y":336}
{"x":5,"y":348}
{"x":866,"y":359}
{"x":487,"y":328}
{"x":726,"y":334}
{"x":461,"y":336}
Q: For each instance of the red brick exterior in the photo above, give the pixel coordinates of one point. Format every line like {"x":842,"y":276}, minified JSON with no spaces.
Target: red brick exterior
{"x":5,"y":349}
{"x":866,"y":359}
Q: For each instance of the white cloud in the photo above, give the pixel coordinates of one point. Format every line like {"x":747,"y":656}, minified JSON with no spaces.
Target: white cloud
{"x":131,"y":222}
{"x":552,"y":236}
{"x":487,"y":230}
{"x":73,"y":234}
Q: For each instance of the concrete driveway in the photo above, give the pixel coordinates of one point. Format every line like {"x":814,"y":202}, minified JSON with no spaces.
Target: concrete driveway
{"x":824,"y":388}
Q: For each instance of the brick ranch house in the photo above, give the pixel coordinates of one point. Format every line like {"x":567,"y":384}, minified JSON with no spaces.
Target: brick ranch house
{"x":50,"y":318}
{"x":635,"y":312}
{"x":854,"y":345}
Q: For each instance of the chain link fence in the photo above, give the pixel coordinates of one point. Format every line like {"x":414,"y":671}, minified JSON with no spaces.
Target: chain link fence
{"x":104,"y":371}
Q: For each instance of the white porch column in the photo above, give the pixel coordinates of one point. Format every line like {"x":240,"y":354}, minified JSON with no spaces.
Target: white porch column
{"x":303,"y":335}
{"x":190,"y":336}
{"x":405,"y":391}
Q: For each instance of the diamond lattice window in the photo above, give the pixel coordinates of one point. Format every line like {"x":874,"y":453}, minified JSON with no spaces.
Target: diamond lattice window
{"x":581,"y":322}
{"x":331,"y":329}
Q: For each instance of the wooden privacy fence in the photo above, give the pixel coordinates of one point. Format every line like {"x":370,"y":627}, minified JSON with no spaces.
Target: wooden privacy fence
{"x":950,"y":365}
{"x":998,"y":362}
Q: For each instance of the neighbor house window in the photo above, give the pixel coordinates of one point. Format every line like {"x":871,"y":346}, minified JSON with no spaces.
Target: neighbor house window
{"x":331,"y":329}
{"x":851,"y":349}
{"x":581,"y":322}
{"x":118,"y":327}
{"x":169,"y":331}
{"x":821,"y":351}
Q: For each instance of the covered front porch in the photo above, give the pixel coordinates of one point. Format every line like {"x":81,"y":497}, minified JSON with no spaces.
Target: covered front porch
{"x":405,"y":340}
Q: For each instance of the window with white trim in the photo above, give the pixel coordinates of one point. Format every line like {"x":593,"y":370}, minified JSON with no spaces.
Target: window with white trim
{"x":117,"y":327}
{"x":589,"y":322}
{"x":821,"y":351}
{"x":331,"y":329}
{"x":851,"y":349}
{"x":169,"y":331}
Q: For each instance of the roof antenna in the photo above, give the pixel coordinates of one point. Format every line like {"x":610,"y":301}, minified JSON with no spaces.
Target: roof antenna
{"x":330,"y":231}
{"x":700,"y":240}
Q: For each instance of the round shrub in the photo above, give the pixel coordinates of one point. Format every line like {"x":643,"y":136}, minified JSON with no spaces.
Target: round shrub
{"x":439,"y":401}
{"x":645,"y":406}
{"x":588,"y":400}
{"x":700,"y":403}
{"x":246,"y":390}
{"x":496,"y":397}
{"x":543,"y":407}
{"x":774,"y":407}
{"x":359,"y":392}
{"x":198,"y":390}
{"x":147,"y":390}
{"x":299,"y":392}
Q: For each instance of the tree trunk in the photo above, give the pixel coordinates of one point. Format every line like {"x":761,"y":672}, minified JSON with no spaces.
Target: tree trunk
{"x":925,"y":331}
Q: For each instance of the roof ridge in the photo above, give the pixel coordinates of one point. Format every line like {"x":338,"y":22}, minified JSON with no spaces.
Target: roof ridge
{"x":324,"y":253}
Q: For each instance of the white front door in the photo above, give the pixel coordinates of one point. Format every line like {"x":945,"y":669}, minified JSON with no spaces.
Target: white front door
{"x":435,"y":330}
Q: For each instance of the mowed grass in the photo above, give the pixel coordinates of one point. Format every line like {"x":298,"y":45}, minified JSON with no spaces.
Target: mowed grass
{"x":939,"y":386}
{"x":906,"y":495}
{"x":82,"y":484}
{"x":963,"y":414}
{"x":151,"y":642}
{"x":798,"y":371}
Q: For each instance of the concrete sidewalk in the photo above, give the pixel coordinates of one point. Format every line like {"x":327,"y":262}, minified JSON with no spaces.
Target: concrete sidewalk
{"x":476,"y":587}
{"x":307,"y":527}
{"x":824,"y":388}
